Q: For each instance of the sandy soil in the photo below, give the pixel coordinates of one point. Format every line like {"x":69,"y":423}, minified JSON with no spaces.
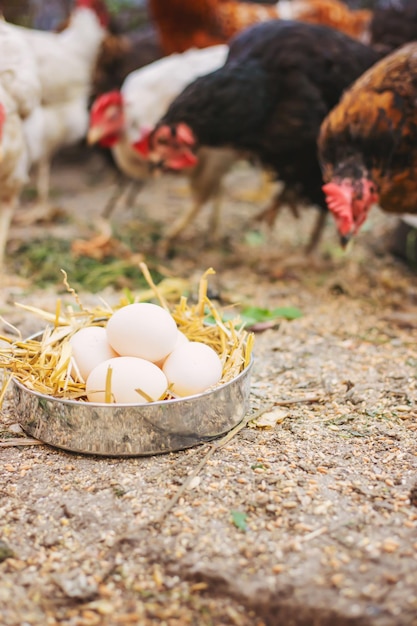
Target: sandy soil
{"x":308,"y":519}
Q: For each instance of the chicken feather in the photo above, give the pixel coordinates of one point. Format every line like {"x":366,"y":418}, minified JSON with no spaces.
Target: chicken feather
{"x":184,"y":24}
{"x":65,"y":64}
{"x":20,"y":92}
{"x":23,"y":85}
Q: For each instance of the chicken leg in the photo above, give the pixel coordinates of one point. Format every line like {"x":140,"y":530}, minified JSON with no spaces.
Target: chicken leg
{"x":7,"y":210}
{"x":289,"y":197}
{"x":206,"y":184}
{"x":43,"y":180}
{"x":133,"y":188}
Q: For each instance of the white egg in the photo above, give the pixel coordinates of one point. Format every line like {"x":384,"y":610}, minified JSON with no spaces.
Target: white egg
{"x":192,"y":368}
{"x":181,"y":338}
{"x":129,"y":377}
{"x":90,"y":347}
{"x":143,"y":330}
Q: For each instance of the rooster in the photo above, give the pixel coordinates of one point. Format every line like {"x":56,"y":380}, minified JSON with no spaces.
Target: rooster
{"x":65,"y":64}
{"x":20,"y":95}
{"x":367,"y":143}
{"x":123,"y":120}
{"x":184,"y":24}
{"x":279,"y":81}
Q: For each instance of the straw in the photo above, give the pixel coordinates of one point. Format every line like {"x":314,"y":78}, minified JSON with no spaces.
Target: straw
{"x":45,"y":365}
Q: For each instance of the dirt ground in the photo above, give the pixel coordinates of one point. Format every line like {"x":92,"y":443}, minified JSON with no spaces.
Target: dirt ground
{"x":309,"y":520}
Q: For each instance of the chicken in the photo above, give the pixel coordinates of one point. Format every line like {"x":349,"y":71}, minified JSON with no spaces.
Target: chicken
{"x":184,"y":24}
{"x":367,"y":143}
{"x":234,"y":17}
{"x":65,"y":64}
{"x":279,"y":81}
{"x":20,"y":93}
{"x":123,"y":121}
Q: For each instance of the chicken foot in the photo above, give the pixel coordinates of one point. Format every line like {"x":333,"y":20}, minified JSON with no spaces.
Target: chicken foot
{"x":283,"y":198}
{"x":206,"y":182}
{"x":133,"y":188}
{"x":43,"y":180}
{"x":182,"y":222}
{"x":262,"y":193}
{"x":101,"y":243}
{"x":41,"y":209}
{"x":317,"y":232}
{"x":187,"y":217}
{"x":289,"y":198}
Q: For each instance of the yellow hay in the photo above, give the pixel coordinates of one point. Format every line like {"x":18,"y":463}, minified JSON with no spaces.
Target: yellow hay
{"x":108,"y":393}
{"x":45,"y":364}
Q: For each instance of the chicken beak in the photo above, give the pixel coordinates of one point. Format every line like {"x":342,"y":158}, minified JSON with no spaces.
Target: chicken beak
{"x":344,"y":240}
{"x":94,"y":135}
{"x":156,"y":163}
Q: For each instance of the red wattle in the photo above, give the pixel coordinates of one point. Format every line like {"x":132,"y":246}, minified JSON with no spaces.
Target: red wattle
{"x":339,"y":201}
{"x":182,"y":161}
{"x":185,"y":134}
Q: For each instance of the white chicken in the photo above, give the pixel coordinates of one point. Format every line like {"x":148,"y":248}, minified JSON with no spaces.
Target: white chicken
{"x":66,"y":62}
{"x":122,"y":121}
{"x":20,"y":95}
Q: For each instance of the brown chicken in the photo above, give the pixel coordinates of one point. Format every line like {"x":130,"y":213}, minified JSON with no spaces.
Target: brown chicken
{"x":368,"y":143}
{"x":334,"y":14}
{"x":184,"y":24}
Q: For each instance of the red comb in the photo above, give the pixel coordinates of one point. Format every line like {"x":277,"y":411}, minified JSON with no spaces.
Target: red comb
{"x":105,"y":100}
{"x":185,"y":134}
{"x":98,"y":6}
{"x":163,"y":132}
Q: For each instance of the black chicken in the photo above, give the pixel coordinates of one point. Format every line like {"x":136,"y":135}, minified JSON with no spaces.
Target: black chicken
{"x":280,"y":80}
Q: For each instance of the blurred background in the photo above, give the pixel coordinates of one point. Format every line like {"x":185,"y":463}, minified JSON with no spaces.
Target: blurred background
{"x":131,"y":42}
{"x":127,"y":14}
{"x":49,"y":14}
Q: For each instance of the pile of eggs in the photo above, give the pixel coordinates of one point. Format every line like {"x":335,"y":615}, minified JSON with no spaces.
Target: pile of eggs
{"x":145,"y":355}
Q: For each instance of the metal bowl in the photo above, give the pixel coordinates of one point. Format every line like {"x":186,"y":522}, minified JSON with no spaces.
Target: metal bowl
{"x":133,"y":429}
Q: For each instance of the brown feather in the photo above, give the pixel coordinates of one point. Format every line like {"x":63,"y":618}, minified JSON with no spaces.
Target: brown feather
{"x":377,"y":120}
